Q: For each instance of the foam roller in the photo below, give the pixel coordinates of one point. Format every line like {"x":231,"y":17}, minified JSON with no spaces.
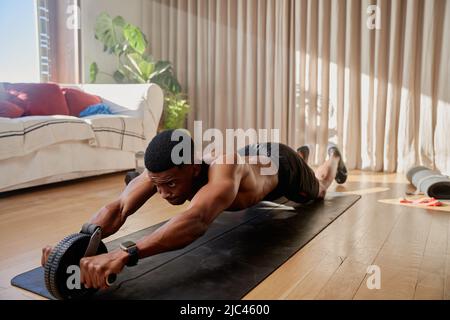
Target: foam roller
{"x":431,"y":182}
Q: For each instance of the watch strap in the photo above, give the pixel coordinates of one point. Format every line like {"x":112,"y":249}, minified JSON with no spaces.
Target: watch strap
{"x":133,"y":253}
{"x":133,"y":256}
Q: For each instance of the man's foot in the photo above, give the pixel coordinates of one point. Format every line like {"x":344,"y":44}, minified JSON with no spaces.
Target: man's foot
{"x":303,"y":151}
{"x":341,"y":174}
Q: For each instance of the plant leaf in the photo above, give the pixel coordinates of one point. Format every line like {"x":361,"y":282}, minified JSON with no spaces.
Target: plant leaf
{"x":164,"y":77}
{"x":167,"y":82}
{"x":119,"y":76}
{"x":146,"y":69}
{"x":110,"y":31}
{"x":133,"y":74}
{"x":135,"y":59}
{"x":93,"y":71}
{"x":162,"y":66}
{"x":176,"y":109}
{"x":135,"y":38}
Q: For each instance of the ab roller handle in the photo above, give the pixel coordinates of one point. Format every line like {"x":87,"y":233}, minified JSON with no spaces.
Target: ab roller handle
{"x":96,"y":238}
{"x":111,"y":279}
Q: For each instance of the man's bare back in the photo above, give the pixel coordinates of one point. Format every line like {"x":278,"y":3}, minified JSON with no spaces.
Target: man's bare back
{"x":253,"y":185}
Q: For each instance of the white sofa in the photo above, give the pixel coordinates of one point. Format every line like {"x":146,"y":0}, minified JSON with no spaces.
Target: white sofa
{"x":38,"y":150}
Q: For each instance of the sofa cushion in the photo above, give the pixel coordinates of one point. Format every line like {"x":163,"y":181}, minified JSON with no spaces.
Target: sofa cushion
{"x":24,"y":135}
{"x":78,"y":100}
{"x":10,"y":110}
{"x":118,"y":132}
{"x":6,"y":96}
{"x":39,"y":99}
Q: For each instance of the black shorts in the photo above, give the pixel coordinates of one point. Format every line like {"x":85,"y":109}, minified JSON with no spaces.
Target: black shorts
{"x":296,"y":180}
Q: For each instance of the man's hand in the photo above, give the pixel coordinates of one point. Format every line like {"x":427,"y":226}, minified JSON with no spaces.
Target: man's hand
{"x":95,"y":270}
{"x":45,"y":253}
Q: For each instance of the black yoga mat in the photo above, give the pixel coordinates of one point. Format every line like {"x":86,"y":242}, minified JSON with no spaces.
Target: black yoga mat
{"x":431,"y":182}
{"x":238,"y":252}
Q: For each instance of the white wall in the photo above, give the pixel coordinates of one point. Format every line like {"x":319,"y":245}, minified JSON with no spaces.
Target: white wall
{"x":92,"y":49}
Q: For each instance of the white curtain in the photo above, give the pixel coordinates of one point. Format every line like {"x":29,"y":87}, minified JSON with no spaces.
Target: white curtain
{"x":317,"y":71}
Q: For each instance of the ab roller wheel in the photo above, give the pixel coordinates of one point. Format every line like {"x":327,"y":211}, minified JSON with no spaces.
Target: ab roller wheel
{"x":67,"y":255}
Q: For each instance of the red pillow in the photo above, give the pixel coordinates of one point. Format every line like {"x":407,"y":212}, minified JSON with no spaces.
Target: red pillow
{"x":40,"y":99}
{"x":10,"y":110}
{"x":15,"y":100}
{"x":78,"y":100}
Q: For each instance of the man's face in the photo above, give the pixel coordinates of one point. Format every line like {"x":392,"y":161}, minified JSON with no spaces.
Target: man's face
{"x":176,"y":184}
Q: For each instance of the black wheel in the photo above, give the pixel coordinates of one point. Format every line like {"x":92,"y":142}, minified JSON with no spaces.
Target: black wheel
{"x":68,"y":252}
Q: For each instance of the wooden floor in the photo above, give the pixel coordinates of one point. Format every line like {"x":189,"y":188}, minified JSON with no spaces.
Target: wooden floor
{"x":410,"y":245}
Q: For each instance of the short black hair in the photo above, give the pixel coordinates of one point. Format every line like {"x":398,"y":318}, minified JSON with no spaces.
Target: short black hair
{"x":158,"y":156}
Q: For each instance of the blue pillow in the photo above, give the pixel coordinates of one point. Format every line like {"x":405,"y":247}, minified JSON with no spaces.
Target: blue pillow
{"x":99,"y":108}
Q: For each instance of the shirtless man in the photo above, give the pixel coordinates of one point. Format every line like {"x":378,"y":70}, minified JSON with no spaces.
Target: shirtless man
{"x":228,"y":183}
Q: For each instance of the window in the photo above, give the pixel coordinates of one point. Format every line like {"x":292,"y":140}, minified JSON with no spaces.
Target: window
{"x":44,"y":39}
{"x":19,"y":57}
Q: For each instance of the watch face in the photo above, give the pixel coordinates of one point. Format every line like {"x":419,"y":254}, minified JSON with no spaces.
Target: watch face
{"x":127,"y":244}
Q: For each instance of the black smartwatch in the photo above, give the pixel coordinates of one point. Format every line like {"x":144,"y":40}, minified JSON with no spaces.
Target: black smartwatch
{"x":131,"y":248}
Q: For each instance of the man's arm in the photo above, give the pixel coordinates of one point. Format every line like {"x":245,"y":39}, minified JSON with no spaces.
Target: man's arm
{"x":113,"y":215}
{"x":216,"y":196}
{"x":208,"y":203}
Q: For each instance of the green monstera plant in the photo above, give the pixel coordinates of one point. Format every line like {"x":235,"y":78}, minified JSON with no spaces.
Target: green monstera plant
{"x":134,"y":65}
